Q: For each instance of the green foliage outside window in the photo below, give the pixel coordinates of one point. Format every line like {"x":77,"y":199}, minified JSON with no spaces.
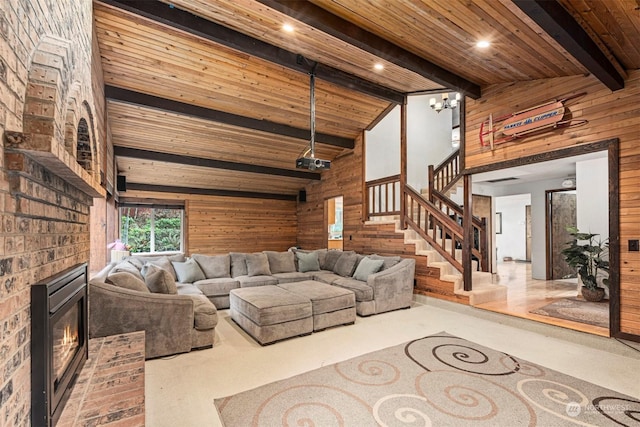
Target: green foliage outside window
{"x":150,"y":229}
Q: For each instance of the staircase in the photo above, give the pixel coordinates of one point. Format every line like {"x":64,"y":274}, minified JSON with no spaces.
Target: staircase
{"x":433,"y":229}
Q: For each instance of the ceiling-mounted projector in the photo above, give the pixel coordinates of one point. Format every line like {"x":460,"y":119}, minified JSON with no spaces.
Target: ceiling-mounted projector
{"x":312,"y":163}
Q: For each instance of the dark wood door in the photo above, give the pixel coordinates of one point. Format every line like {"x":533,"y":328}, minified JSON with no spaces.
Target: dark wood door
{"x":561,"y":213}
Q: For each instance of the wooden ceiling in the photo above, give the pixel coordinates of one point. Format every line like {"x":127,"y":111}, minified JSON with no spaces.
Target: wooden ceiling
{"x":222,"y":82}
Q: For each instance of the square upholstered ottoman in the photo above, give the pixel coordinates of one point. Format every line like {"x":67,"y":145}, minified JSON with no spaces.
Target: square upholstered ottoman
{"x":332,"y":306}
{"x":270,"y":313}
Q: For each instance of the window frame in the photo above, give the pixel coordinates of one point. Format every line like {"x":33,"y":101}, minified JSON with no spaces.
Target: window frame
{"x":152,"y":236}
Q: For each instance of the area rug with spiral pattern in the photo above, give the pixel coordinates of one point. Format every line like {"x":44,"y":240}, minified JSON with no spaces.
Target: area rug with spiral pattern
{"x":439,"y":380}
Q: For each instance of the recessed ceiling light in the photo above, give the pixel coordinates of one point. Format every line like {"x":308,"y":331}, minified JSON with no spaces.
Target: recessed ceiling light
{"x":378,"y":66}
{"x":483,"y":44}
{"x":288,"y":28}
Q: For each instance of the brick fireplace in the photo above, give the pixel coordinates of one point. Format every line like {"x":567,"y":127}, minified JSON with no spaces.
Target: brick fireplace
{"x":51,"y":108}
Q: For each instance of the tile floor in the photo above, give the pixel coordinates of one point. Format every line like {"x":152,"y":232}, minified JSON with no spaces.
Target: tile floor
{"x":180,"y":389}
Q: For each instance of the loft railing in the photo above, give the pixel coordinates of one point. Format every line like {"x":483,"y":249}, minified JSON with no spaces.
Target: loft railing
{"x":446,"y":174}
{"x":383,"y":196}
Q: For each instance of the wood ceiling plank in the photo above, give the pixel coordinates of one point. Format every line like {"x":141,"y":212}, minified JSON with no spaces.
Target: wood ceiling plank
{"x":156,"y":173}
{"x":252,"y":18}
{"x":247,"y":90}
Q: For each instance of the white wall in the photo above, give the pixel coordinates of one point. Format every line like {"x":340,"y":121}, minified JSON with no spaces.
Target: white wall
{"x":512,"y":241}
{"x":592,"y":183}
{"x":428,"y":142}
{"x":428,"y":139}
{"x":383,"y":147}
{"x":538,"y":230}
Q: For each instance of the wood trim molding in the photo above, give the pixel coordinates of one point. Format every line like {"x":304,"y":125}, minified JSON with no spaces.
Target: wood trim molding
{"x":211,"y":163}
{"x":543,"y":157}
{"x":137,"y":98}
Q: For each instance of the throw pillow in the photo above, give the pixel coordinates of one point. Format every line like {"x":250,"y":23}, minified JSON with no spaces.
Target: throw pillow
{"x":127,"y":267}
{"x":367,"y":267}
{"x":389,"y":261}
{"x":188,"y":271}
{"x":330,"y":259}
{"x":127,"y":281}
{"x":281,"y":262}
{"x":307,"y":261}
{"x":258,"y":264}
{"x":238,"y":264}
{"x":165,"y":263}
{"x":159,"y":280}
{"x":214,"y":266}
{"x":346,"y":264}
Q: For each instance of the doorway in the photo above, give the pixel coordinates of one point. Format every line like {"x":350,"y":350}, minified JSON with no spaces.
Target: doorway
{"x":560,"y":213}
{"x":334,"y":208}
{"x":594,"y":168}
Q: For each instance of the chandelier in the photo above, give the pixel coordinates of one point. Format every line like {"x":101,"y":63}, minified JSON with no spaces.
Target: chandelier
{"x":445,"y":103}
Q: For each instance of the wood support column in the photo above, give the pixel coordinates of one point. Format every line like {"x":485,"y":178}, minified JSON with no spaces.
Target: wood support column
{"x":467,"y":242}
{"x":403,"y":162}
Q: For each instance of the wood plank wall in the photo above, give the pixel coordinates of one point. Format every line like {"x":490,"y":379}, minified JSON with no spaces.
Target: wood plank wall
{"x":218,"y":225}
{"x":610,"y":115}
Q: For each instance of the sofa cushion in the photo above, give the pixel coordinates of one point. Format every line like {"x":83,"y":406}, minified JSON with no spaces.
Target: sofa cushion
{"x":238,"y":264}
{"x":346,"y":264}
{"x":250,"y":281}
{"x":330,"y":259}
{"x":366,"y":267}
{"x":165,"y":263}
{"x":325,"y":276}
{"x":281,"y":262}
{"x":217,"y":286}
{"x":158,"y":280}
{"x":308,"y":261}
{"x":127,"y":267}
{"x":128,"y":281}
{"x":258,"y":264}
{"x":188,"y":271}
{"x":214,"y":266}
{"x":363,"y":291}
{"x":295,"y":276}
{"x":188,"y":289}
{"x":389,"y":261}
{"x":140,"y":260}
{"x":205,"y":315}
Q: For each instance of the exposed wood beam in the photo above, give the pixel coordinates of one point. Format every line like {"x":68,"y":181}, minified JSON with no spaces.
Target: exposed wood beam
{"x":556,"y":21}
{"x":201,"y":27}
{"x":210,"y":163}
{"x":329,"y":23}
{"x":143,"y":99}
{"x":209,"y":192}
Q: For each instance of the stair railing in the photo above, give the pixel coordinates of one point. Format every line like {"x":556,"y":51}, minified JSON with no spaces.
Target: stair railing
{"x":439,"y":230}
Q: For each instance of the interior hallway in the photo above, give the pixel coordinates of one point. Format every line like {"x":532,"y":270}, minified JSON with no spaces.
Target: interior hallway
{"x":525,"y":294}
{"x":180,"y":389}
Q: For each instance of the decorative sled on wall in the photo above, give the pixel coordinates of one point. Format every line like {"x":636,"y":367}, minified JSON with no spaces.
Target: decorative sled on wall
{"x":541,"y":118}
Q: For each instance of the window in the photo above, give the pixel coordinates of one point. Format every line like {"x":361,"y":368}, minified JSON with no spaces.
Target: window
{"x":149,"y":229}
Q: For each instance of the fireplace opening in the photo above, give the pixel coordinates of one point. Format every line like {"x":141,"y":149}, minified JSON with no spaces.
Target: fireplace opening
{"x":59,"y":341}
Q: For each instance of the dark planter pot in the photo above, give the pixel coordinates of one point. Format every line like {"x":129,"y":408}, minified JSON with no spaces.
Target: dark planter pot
{"x":593,"y":295}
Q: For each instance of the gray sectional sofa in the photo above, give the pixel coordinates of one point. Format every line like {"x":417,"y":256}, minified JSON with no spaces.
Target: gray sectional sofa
{"x":175,"y":299}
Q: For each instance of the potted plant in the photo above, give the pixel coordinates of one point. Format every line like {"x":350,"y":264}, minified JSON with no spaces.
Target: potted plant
{"x":588,"y":254}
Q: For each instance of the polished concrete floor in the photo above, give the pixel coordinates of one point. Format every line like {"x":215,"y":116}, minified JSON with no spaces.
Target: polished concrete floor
{"x":180,"y":389}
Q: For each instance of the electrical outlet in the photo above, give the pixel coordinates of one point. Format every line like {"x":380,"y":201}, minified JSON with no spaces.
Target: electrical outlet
{"x":634,"y":245}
